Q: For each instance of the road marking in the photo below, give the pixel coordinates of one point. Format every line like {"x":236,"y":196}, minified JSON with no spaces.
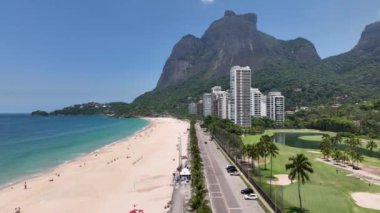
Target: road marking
{"x":213,"y":172}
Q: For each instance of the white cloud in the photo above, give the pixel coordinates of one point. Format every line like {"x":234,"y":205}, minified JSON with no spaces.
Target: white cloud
{"x":207,"y":1}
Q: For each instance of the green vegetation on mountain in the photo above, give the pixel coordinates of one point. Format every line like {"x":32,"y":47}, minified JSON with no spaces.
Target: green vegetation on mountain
{"x":92,"y":108}
{"x":361,"y":119}
{"x":292,"y":67}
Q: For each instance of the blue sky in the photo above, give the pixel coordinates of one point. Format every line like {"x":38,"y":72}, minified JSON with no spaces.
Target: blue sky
{"x":55,"y":53}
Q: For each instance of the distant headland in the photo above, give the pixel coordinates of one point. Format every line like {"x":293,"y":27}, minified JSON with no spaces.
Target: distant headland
{"x":114,"y":109}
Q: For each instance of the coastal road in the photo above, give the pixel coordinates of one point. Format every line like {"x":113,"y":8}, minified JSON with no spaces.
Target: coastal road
{"x":224,"y":189}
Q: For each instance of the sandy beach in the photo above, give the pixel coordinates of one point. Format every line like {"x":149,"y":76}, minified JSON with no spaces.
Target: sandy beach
{"x":135,"y":171}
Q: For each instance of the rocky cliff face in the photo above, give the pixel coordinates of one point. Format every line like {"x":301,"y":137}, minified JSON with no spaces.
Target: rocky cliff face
{"x":370,"y":39}
{"x":293,"y":67}
{"x":231,"y":40}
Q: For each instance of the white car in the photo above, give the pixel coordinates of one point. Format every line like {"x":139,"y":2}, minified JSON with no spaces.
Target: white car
{"x":234,"y":173}
{"x":251,"y":196}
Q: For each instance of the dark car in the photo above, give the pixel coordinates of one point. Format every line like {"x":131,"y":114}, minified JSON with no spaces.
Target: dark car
{"x":247,"y":191}
{"x":205,"y":142}
{"x":231,"y":170}
{"x":229,"y":167}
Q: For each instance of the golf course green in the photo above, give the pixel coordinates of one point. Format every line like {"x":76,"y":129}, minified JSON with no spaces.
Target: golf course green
{"x":329,"y":188}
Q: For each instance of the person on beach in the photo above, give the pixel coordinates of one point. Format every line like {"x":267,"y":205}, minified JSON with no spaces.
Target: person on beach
{"x":25,"y":186}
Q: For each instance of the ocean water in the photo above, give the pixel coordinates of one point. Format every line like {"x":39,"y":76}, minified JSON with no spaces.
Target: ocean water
{"x":32,"y":144}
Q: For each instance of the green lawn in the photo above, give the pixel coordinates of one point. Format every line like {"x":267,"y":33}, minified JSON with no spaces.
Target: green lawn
{"x":255,"y":138}
{"x":311,"y":137}
{"x":328,"y":191}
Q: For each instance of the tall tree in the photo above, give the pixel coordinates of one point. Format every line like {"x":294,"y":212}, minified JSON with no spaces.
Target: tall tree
{"x":353,"y":143}
{"x":371,"y":145}
{"x":299,"y":167}
{"x":325,"y":146}
{"x":264,"y":142}
{"x":357,"y":157}
{"x":273,"y":152}
{"x":253,"y":153}
{"x":245,"y":151}
{"x":337,"y":155}
{"x":337,"y":139}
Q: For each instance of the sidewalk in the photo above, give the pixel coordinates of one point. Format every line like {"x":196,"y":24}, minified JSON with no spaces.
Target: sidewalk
{"x":181,"y":196}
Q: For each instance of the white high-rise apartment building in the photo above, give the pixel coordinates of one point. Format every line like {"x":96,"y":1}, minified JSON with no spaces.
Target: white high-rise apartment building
{"x":240,"y":85}
{"x":216,"y":89}
{"x":216,"y":93}
{"x":222,"y":102}
{"x":263,"y":106}
{"x":276,"y":106}
{"x":258,"y":103}
{"x":207,"y":104}
{"x":193,"y":108}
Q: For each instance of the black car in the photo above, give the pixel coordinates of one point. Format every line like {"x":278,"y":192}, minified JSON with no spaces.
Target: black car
{"x":231,"y":170}
{"x":247,"y":191}
{"x":230,"y":167}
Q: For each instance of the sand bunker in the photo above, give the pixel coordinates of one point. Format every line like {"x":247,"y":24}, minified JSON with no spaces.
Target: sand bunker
{"x":282,"y":180}
{"x":367,"y":200}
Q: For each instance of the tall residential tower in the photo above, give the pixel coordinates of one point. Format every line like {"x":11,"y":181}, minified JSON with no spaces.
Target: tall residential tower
{"x":258,"y":103}
{"x":240,"y":85}
{"x":276,"y":106}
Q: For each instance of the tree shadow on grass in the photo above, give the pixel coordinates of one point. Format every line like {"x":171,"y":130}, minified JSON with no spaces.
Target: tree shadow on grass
{"x":294,"y":209}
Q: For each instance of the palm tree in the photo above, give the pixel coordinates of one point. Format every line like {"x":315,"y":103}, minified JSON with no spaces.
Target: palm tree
{"x":253,"y":153}
{"x":337,"y":139}
{"x":273,"y":152}
{"x":265,"y":141}
{"x":353,"y":143}
{"x":325,"y":146}
{"x":371,"y":145}
{"x":245,"y":151}
{"x":260,"y":150}
{"x":357,"y":157}
{"x":299,"y":167}
{"x":337,"y":155}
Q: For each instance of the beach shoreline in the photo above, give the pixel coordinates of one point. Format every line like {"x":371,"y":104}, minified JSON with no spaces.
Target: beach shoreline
{"x":78,"y":158}
{"x":101,"y":170}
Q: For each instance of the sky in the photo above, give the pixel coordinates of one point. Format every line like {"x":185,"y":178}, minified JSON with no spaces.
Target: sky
{"x":56,"y":53}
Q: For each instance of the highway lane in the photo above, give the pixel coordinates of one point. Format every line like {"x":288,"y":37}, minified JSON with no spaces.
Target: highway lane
{"x":224,"y":189}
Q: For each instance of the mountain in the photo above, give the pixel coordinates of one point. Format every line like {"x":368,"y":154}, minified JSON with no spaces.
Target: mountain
{"x":231,"y":40}
{"x":359,"y":68}
{"x":292,"y":67}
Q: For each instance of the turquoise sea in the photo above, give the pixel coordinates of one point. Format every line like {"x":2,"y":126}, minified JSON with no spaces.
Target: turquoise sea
{"x":32,"y":144}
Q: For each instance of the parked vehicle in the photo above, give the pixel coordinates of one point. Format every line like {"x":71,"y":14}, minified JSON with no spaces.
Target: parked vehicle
{"x":231,"y":170}
{"x":230,"y":166}
{"x":251,"y":196}
{"x":246,"y":191}
{"x":235,"y":173}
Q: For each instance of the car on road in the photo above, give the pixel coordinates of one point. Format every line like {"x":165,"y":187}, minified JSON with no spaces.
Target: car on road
{"x":246,"y":191}
{"x":229,"y":167}
{"x":235,"y":173}
{"x":231,"y":170}
{"x":251,"y":196}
